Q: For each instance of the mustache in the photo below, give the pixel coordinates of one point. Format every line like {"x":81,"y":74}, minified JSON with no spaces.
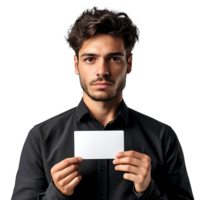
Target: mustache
{"x":100,"y":79}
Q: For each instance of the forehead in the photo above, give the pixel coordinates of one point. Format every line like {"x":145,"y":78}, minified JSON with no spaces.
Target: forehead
{"x":103,"y":44}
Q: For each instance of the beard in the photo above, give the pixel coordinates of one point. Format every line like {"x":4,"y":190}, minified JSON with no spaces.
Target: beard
{"x":106,"y":94}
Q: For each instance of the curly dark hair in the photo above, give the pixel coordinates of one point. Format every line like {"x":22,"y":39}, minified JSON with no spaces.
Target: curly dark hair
{"x":104,"y":21}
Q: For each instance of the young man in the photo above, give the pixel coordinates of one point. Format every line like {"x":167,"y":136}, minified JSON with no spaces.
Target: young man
{"x":152,"y":165}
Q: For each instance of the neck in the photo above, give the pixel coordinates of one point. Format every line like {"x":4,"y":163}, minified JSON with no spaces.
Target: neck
{"x":103,"y":111}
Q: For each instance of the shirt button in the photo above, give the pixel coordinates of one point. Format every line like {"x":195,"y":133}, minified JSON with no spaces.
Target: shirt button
{"x":102,"y":168}
{"x":103,"y":197}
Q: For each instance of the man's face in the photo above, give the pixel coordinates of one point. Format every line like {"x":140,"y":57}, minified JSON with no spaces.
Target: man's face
{"x":102,"y":59}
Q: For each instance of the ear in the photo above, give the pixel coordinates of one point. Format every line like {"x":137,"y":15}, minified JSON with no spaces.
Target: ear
{"x":129,"y":64}
{"x":76,"y":65}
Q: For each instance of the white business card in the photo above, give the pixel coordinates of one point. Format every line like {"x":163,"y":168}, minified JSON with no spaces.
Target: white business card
{"x":98,"y":144}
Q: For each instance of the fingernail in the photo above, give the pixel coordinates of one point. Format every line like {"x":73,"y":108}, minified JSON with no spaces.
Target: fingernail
{"x":80,"y":159}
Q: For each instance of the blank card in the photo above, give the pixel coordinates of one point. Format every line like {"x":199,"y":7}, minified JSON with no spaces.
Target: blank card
{"x":98,"y":144}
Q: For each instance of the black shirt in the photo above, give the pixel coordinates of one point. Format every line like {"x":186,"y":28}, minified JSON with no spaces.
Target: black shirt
{"x":52,"y":141}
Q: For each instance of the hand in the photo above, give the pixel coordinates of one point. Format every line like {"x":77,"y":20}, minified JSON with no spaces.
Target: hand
{"x":139,"y":168}
{"x":66,"y":176}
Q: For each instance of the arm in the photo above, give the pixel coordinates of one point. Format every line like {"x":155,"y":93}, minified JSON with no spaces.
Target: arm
{"x":31,"y":182}
{"x":177,"y":180}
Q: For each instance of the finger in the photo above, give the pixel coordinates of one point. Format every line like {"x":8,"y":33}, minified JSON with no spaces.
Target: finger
{"x":132,"y":177}
{"x":129,"y":160}
{"x":129,"y":168}
{"x":65,"y":172}
{"x":135,"y":154}
{"x":65,"y":163}
{"x":70,"y":177}
{"x":73,"y":179}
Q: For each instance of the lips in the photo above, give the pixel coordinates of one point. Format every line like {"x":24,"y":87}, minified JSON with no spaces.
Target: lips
{"x":102,"y":85}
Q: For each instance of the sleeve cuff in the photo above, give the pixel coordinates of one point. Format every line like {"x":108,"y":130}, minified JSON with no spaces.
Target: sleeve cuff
{"x":52,"y":193}
{"x":137,"y":194}
{"x":147,"y":192}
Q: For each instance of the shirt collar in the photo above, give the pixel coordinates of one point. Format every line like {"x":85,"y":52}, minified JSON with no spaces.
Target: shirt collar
{"x":82,"y":110}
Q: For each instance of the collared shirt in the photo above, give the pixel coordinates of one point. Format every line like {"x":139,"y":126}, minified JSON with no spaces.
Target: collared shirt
{"x":52,"y":141}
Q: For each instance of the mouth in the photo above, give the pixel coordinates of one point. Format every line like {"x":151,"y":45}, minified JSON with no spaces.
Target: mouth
{"x":102,"y":85}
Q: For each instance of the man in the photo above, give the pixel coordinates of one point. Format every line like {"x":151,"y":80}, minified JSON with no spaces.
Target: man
{"x":152,"y":165}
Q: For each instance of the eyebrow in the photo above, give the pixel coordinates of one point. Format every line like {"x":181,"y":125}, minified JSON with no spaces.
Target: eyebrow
{"x":109,"y":54}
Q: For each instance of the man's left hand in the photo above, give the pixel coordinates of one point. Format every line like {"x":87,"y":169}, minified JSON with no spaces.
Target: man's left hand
{"x":139,"y":167}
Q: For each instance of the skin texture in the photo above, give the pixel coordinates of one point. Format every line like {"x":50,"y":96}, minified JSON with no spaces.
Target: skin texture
{"x":103,"y":103}
{"x":101,"y":67}
{"x":65,"y":175}
{"x":139,"y":167}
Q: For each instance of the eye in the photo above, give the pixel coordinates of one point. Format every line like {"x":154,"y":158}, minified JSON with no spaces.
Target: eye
{"x":118,"y":59}
{"x":88,"y":58}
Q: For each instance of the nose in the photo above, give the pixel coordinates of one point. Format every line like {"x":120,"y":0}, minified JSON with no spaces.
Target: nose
{"x":102,"y":68}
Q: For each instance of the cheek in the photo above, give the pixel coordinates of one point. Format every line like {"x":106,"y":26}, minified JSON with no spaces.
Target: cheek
{"x":83,"y":74}
{"x":87,"y":75}
{"x":119,"y":74}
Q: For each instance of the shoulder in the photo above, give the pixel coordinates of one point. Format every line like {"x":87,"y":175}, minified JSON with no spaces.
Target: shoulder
{"x":152,"y":125}
{"x":55,"y":124}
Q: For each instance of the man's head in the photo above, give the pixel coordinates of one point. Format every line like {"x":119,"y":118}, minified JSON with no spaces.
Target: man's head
{"x":103,"y":41}
{"x":102,"y":59}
